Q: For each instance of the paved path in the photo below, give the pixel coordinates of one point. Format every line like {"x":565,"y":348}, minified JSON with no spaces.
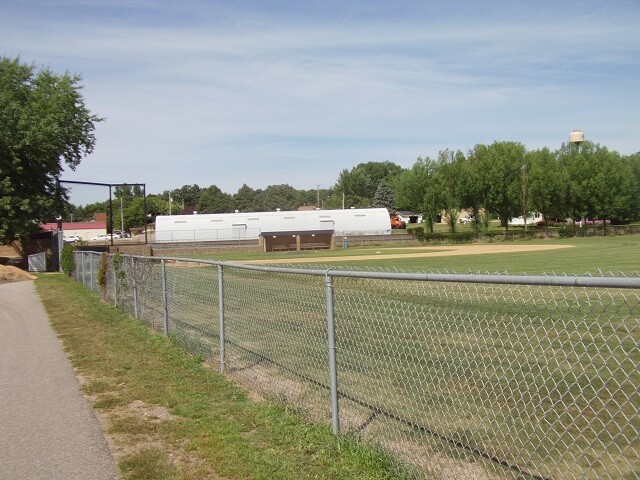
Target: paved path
{"x":47,"y":428}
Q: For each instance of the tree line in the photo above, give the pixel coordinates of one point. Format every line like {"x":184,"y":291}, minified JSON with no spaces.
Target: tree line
{"x":501,"y":180}
{"x":506,"y":180}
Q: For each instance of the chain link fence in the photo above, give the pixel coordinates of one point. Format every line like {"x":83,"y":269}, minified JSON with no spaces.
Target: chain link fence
{"x":459,"y":376}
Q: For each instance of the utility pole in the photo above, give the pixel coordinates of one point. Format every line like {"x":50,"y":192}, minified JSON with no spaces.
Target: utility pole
{"x":523,"y":170}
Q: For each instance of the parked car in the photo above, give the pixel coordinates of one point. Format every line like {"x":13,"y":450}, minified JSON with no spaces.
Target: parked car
{"x":71,"y":238}
{"x":591,"y":221}
{"x":101,"y":238}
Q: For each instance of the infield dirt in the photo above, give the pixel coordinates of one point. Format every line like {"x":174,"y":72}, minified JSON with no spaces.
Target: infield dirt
{"x":420,"y":252}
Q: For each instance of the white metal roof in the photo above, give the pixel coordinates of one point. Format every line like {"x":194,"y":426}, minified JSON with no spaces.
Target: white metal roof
{"x":249,"y":225}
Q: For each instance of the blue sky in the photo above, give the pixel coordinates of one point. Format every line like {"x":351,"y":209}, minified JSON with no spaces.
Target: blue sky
{"x":271,"y":92}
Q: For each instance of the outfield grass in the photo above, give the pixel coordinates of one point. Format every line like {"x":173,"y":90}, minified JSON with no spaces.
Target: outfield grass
{"x":542,"y":378}
{"x":590,"y":255}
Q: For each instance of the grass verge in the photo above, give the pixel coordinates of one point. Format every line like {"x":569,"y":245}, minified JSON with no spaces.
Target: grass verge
{"x":168,"y":416}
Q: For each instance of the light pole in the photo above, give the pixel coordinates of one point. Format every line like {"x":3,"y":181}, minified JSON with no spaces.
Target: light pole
{"x":121,"y":217}
{"x":523,"y":170}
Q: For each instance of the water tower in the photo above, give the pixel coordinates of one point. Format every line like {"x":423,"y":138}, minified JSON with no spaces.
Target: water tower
{"x":576,"y":137}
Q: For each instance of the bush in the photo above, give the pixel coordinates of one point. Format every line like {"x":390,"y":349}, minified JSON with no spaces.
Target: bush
{"x":566,"y":232}
{"x":67,"y":259}
{"x":102,"y":271}
{"x":458,"y":237}
{"x":418,"y":233}
{"x":462,"y":237}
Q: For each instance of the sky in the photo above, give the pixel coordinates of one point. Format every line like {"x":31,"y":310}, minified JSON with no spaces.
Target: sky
{"x":262,"y":93}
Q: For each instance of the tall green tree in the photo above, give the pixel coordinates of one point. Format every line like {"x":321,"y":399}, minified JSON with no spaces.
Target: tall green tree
{"x":601,"y":184}
{"x":544,"y":184}
{"x":246,"y":199}
{"x":84,"y":213}
{"x":214,"y":200}
{"x":187,"y":195}
{"x":384,"y":197}
{"x":417,"y":189}
{"x":499,"y":172}
{"x":448,"y":178}
{"x":134,"y":213}
{"x":471,"y":190}
{"x":359,"y":184}
{"x":123,"y":191}
{"x":284,"y":197}
{"x":633,"y":164}
{"x":44,"y":125}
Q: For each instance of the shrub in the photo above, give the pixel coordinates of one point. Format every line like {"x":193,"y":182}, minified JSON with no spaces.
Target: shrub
{"x":566,"y":232}
{"x":102,"y":271}
{"x":418,"y":233}
{"x":67,"y":259}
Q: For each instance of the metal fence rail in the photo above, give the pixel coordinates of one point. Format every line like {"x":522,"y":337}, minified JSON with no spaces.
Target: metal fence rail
{"x":458,"y":376}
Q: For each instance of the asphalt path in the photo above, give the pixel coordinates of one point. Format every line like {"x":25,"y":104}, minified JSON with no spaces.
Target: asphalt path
{"x":47,"y":428}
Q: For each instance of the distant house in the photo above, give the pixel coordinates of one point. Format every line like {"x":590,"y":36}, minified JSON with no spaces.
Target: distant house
{"x":409,"y":217}
{"x":532,"y":219}
{"x":85,"y":230}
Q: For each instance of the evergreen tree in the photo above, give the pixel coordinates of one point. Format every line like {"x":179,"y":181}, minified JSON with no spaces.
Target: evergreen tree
{"x":384,"y":197}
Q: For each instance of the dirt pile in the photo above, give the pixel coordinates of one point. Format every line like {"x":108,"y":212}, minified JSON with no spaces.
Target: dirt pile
{"x":14,"y":274}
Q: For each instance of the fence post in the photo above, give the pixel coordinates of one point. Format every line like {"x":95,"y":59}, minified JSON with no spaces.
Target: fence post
{"x":84,"y":273}
{"x":115,"y":282}
{"x":333,"y":375}
{"x":165,"y":305}
{"x":135,"y":287}
{"x":91,"y":272}
{"x":221,"y":310}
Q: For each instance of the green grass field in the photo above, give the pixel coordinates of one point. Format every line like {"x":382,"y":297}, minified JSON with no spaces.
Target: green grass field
{"x":170,"y":417}
{"x":590,"y":255}
{"x":534,"y":375}
{"x":441,"y":375}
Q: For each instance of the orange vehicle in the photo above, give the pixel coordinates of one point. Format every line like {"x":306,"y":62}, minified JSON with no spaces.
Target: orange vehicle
{"x":396,"y":222}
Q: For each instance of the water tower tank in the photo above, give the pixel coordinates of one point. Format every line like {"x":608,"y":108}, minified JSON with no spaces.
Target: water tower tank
{"x":576,"y":136}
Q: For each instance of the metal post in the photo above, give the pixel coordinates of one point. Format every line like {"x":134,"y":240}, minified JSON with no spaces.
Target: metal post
{"x":91,"y":272}
{"x":135,"y":287}
{"x":333,"y":375}
{"x":164,"y":297}
{"x":82,"y":268}
{"x":221,"y":310}
{"x":110,"y":216}
{"x":144,"y":209}
{"x":115,"y":284}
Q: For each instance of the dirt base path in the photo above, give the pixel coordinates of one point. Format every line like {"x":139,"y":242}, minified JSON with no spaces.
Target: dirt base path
{"x":420,"y":252}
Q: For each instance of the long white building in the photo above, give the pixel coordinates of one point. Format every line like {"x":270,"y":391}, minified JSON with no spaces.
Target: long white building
{"x":257,"y":225}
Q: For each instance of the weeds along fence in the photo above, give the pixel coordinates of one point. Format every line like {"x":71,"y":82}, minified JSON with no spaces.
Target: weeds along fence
{"x":457,"y":376}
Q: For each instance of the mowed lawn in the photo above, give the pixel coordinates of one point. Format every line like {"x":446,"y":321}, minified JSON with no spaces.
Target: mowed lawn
{"x":589,"y":256}
{"x":406,"y":348}
{"x":431,"y":354}
{"x":619,"y":255}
